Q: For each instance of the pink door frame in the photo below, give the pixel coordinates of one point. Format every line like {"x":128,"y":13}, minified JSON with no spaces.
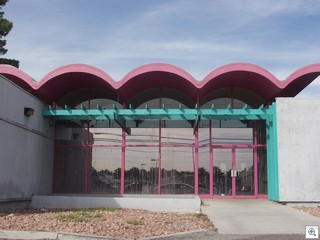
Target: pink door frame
{"x":253,"y":146}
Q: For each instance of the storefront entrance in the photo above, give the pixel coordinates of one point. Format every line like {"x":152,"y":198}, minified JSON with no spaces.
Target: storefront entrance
{"x":213,"y":158}
{"x":234,"y":172}
{"x":233,"y":160}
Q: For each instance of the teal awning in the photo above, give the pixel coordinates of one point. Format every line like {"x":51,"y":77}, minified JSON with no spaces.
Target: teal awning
{"x":146,"y":113}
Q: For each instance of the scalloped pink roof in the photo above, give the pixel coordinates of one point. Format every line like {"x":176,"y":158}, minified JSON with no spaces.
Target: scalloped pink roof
{"x":67,"y":78}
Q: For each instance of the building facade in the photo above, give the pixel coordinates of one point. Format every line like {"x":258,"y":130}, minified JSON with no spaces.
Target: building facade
{"x":238,"y":133}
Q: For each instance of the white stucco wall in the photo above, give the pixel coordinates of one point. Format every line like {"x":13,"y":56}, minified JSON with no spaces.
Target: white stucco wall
{"x":26,"y":145}
{"x":298,"y":124}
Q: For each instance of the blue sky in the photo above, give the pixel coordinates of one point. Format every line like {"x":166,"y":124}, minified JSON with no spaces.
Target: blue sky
{"x":198,"y":36}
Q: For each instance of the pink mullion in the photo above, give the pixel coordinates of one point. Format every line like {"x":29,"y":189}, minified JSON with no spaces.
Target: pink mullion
{"x":159,"y":160}
{"x":211,"y":161}
{"x":233,"y":167}
{"x":123,"y":158}
{"x":255,"y":160}
{"x":196,"y":164}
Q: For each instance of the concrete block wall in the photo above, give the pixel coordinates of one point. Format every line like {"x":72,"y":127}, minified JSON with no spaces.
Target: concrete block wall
{"x":26,"y":145}
{"x":298,"y":124}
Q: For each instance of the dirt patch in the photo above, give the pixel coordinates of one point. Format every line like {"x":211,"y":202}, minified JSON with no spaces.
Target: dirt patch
{"x":120,"y":223}
{"x":315,"y":211}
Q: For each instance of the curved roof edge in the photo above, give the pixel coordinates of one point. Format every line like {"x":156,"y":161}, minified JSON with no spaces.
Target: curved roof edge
{"x":301,"y":72}
{"x":295,"y":82}
{"x":77,"y":67}
{"x":158,"y":67}
{"x":245,"y":67}
{"x":18,"y":76}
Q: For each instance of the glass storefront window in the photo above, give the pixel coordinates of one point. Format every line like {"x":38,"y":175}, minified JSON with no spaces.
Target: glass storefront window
{"x":222,"y":167}
{"x":262,"y":170}
{"x":232,"y":136}
{"x":101,"y":148}
{"x":106,"y":136}
{"x":141,"y":170}
{"x":204,"y":170}
{"x":106,"y":170}
{"x":177,"y":170}
{"x":177,"y":136}
{"x":204,"y":136}
{"x":143,"y":136}
{"x":245,"y":172}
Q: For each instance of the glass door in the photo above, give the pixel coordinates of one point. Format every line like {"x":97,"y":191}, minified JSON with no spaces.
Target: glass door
{"x":222,"y":170}
{"x":233,"y":172}
{"x":244,"y":172}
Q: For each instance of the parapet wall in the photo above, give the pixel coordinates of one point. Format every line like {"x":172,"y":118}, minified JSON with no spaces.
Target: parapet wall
{"x":26,"y":145}
{"x":298,"y":124}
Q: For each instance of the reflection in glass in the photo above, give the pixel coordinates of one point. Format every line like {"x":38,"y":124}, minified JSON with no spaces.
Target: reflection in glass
{"x":141,"y":171}
{"x":204,"y":136}
{"x":177,"y":136}
{"x":143,"y":136}
{"x":222,"y":166}
{"x":177,"y":172}
{"x":244,"y":167}
{"x":204,"y":170}
{"x":70,"y":158}
{"x":106,"y":136}
{"x":262,"y":170}
{"x":232,"y":136}
{"x":106,"y":170}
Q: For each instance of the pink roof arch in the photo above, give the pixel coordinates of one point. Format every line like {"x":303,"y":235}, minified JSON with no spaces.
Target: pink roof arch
{"x":243,"y":75}
{"x":18,"y":77}
{"x":157,"y":75}
{"x":300,"y":79}
{"x":70,"y":77}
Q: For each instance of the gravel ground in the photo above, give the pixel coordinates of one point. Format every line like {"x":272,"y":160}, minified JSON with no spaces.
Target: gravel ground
{"x":120,"y":223}
{"x":315,"y":211}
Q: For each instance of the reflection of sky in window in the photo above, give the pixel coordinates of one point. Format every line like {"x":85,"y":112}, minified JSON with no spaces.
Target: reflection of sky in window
{"x":106,"y":158}
{"x":180,"y":158}
{"x":177,"y":136}
{"x":222,"y":158}
{"x":139,"y":157}
{"x":143,"y":136}
{"x":232,"y":136}
{"x":106,"y":136}
{"x":244,"y":159}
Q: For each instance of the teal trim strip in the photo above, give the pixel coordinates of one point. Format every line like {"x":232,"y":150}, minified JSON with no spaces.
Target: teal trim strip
{"x":272,"y":154}
{"x":156,"y":114}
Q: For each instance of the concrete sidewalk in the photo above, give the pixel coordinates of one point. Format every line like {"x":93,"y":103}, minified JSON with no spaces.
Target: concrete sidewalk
{"x":193,"y":235}
{"x":255,"y":216}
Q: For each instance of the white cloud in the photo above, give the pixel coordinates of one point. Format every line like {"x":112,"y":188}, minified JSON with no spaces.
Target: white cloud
{"x":197,"y":37}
